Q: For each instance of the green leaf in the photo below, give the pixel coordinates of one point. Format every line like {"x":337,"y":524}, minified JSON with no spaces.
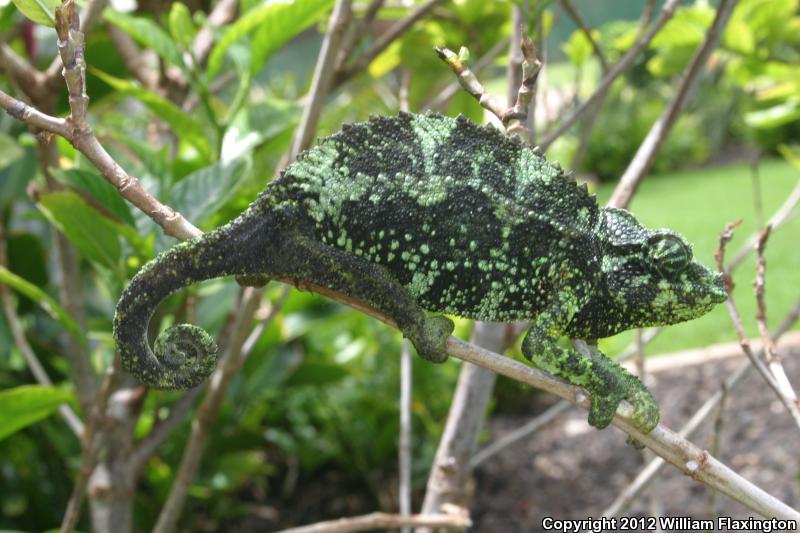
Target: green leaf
{"x":44,"y":300}
{"x":148,"y":34}
{"x":10,"y":150}
{"x":181,"y":26}
{"x":777,"y":115}
{"x":183,"y":125}
{"x":790,"y":153}
{"x":276,"y":21}
{"x":93,"y":234}
{"x":39,"y":11}
{"x":578,"y":48}
{"x":22,"y":406}
{"x":200,"y":194}
{"x":94,"y":184}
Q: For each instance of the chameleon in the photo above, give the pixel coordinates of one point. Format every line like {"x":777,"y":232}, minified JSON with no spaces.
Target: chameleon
{"x":422,"y":215}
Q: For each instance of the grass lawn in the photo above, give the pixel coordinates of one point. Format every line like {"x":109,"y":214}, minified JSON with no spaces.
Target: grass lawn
{"x":698,"y":203}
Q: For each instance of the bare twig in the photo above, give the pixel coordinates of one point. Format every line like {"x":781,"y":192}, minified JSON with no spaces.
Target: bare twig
{"x":404,"y":447}
{"x":647,"y":474}
{"x":399,"y":28}
{"x":772,"y":356}
{"x":646,"y":154}
{"x":163,"y":429}
{"x":223,"y":13}
{"x":79,"y":134}
{"x":358,"y":29}
{"x":323,"y":73}
{"x":90,"y":445}
{"x":469,"y":82}
{"x":442,"y":97}
{"x":89,"y":17}
{"x":207,"y":412}
{"x":18,"y":333}
{"x":134,"y":59}
{"x":625,"y":62}
{"x":384,"y":521}
{"x":520,"y":433}
{"x":575,"y":15}
{"x":716,"y":446}
{"x":744,"y":342}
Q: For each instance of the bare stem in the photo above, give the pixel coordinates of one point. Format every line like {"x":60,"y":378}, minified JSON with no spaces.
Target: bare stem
{"x":646,"y":154}
{"x":382,"y":521}
{"x":627,"y":60}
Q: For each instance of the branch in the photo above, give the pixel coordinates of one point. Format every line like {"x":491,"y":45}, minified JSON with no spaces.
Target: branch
{"x":399,"y":28}
{"x":358,"y":30}
{"x":208,"y":410}
{"x":744,"y":342}
{"x":79,"y":134}
{"x":646,"y":154}
{"x":223,"y":13}
{"x":323,"y":74}
{"x":772,"y":356}
{"x":569,"y":7}
{"x":646,"y":475}
{"x":384,"y":521}
{"x":667,"y":10}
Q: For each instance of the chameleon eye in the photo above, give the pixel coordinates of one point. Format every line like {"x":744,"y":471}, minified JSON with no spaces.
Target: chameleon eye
{"x":669,"y":253}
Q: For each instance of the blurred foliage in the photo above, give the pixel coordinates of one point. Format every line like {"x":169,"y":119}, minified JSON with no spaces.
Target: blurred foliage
{"x":320,"y":390}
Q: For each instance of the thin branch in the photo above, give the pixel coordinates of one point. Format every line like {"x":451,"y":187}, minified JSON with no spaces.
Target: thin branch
{"x":207,"y":412}
{"x":575,"y":15}
{"x":744,"y":342}
{"x":223,"y":13}
{"x":358,"y":30}
{"x":522,"y":432}
{"x":442,"y":97}
{"x":18,"y":333}
{"x":647,"y":474}
{"x":385,"y":521}
{"x":772,"y":356}
{"x":716,"y":446}
{"x":646,"y":154}
{"x":134,"y":59}
{"x":79,"y":134}
{"x":625,"y":62}
{"x":163,"y":429}
{"x":777,"y":220}
{"x":323,"y":74}
{"x":404,"y":446}
{"x":383,"y":42}
{"x":89,"y":17}
{"x":90,"y":446}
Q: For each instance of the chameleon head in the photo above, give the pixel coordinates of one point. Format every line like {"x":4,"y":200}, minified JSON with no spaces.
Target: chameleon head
{"x":650,"y":275}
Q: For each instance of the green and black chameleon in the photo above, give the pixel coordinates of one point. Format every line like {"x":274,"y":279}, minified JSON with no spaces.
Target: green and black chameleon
{"x":423,"y":213}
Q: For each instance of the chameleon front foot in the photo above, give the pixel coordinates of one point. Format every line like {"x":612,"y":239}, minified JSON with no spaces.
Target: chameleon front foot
{"x":606,"y":399}
{"x":430,"y":338}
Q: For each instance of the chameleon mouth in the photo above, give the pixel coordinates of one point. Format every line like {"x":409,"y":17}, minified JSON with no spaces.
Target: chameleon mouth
{"x":718,"y":291}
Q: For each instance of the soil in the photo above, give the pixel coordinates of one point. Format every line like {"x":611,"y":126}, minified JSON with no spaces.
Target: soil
{"x":569,"y":470}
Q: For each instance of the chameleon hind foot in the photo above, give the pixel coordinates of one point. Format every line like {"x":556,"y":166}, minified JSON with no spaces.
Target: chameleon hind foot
{"x":431,"y":337}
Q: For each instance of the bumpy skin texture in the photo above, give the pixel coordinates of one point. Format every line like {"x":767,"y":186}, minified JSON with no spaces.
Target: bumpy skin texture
{"x":426,"y":212}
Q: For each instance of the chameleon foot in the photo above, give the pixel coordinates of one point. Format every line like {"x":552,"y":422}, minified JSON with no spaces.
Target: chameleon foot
{"x":430,"y":340}
{"x":606,"y":399}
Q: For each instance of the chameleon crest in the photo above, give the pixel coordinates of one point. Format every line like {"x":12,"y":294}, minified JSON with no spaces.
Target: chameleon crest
{"x":421,"y":213}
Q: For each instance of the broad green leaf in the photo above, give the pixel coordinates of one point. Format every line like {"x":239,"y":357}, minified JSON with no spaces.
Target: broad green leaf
{"x":39,"y":11}
{"x":183,"y":125}
{"x":10,"y":150}
{"x":93,"y":184}
{"x":93,"y":234}
{"x":774,"y":116}
{"x":200,"y":194}
{"x":181,"y":26}
{"x":148,"y":34}
{"x":43,"y":299}
{"x":276,"y":21}
{"x":791,"y":153}
{"x":22,"y":406}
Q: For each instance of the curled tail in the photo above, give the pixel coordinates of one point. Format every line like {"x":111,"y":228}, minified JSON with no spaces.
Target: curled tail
{"x":184,"y":355}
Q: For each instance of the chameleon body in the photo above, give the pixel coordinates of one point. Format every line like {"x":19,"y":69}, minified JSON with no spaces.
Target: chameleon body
{"x":423,"y":213}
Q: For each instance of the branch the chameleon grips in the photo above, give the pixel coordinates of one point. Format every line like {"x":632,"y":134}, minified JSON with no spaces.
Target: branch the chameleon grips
{"x":425,"y":213}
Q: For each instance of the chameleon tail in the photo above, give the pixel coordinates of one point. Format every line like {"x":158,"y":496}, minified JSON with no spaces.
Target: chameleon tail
{"x":184,"y":355}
